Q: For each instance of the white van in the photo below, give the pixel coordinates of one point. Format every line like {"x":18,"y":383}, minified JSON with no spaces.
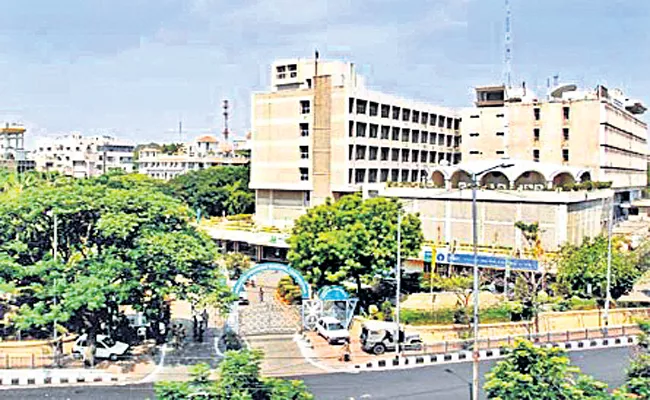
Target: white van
{"x":106,"y":347}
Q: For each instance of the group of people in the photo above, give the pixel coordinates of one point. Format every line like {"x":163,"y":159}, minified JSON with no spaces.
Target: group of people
{"x":200,"y":324}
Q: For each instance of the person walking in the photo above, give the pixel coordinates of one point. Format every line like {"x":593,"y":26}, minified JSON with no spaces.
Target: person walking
{"x":261,"y":295}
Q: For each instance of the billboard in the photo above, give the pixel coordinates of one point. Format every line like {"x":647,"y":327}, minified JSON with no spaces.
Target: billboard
{"x":486,"y":260}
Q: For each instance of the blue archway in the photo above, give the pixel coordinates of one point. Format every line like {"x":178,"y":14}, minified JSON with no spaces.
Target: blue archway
{"x":297,"y":277}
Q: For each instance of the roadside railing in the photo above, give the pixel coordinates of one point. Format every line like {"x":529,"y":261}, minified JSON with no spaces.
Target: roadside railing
{"x":448,"y":346}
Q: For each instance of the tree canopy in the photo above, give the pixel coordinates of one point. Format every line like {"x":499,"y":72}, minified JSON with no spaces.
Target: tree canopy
{"x":119,"y":241}
{"x":216,"y":191}
{"x":352,"y":239}
{"x":239,"y":378}
{"x":582,"y":270}
{"x":532,"y":373}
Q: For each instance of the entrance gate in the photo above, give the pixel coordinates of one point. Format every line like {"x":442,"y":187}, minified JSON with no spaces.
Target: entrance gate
{"x":271,"y":316}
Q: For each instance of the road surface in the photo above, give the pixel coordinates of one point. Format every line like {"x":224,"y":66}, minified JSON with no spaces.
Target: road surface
{"x":607,"y":365}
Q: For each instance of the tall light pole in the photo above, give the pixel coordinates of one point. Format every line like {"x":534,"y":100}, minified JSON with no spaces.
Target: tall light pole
{"x":398,"y":275}
{"x":475,"y":292}
{"x":608,"y":295}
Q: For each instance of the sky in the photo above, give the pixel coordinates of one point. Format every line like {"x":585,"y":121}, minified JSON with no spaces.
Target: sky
{"x":134,"y":68}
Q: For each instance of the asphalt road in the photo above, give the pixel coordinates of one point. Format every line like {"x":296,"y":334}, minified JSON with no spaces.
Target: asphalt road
{"x":433,"y":382}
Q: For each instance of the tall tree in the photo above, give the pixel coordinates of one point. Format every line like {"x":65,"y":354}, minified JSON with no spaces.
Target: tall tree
{"x":352,"y":239}
{"x":118,"y":242}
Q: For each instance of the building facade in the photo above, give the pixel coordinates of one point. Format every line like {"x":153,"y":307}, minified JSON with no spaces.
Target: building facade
{"x":204,"y":152}
{"x":13,"y":155}
{"x":596,"y":129}
{"x":84,"y":156}
{"x":319,"y":133}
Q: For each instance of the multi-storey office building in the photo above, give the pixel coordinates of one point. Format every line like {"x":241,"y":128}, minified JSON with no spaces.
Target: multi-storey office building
{"x":599,"y":129}
{"x":83,"y":156}
{"x":320,"y":132}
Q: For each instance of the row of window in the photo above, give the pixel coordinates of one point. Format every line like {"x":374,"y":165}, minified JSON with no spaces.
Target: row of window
{"x":374,"y":109}
{"x":536,"y":134}
{"x":372,"y":153}
{"x":374,"y":131}
{"x":374,"y":175}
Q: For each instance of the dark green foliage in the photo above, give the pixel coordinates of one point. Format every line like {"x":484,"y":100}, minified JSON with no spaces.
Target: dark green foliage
{"x":351,"y":240}
{"x":216,"y":191}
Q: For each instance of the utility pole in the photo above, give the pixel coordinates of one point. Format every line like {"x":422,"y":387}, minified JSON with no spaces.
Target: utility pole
{"x":55,"y":246}
{"x":608,"y":295}
{"x":475,"y":293}
{"x":398,"y":274}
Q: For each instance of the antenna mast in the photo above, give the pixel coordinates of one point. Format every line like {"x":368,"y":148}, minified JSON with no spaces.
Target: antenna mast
{"x":508,"y":47}
{"x":225,"y":120}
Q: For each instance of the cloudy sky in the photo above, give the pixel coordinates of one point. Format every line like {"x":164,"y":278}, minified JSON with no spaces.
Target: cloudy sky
{"x":135,"y":67}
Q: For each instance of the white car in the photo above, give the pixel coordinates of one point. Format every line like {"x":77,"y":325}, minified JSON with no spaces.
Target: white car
{"x":332,"y":330}
{"x":106,"y":347}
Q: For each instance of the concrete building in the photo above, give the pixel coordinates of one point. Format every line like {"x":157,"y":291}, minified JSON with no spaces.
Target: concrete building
{"x":599,"y":129}
{"x":13,"y":155}
{"x":83,"y":156}
{"x":320,"y":132}
{"x":526,"y":191}
{"x":204,"y":152}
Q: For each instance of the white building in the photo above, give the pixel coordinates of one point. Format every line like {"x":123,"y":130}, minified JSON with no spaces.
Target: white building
{"x":204,"y":152}
{"x":320,"y":132}
{"x":83,"y":156}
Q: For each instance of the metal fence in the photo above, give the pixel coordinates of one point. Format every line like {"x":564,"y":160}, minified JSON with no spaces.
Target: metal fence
{"x":542,"y":337}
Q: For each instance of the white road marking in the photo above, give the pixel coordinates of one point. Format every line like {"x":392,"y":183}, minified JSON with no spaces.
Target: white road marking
{"x":151,"y":377}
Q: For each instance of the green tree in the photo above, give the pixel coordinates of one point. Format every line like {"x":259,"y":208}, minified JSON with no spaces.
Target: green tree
{"x":352,"y":239}
{"x":637,"y":384}
{"x":118,"y":243}
{"x":239,"y":378}
{"x":236,"y":264}
{"x":534,"y":373}
{"x":216,"y":191}
{"x":582,"y":270}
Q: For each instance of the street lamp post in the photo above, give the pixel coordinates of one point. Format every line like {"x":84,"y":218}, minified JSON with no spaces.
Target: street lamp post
{"x":608,"y":296}
{"x":397,"y":277}
{"x":475,"y":292}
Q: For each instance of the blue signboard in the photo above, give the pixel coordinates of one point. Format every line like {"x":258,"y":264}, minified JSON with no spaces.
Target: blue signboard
{"x":428,"y":254}
{"x":486,"y":261}
{"x":333,"y":293}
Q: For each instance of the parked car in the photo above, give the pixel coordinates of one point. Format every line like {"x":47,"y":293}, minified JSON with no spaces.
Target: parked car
{"x":332,"y":330}
{"x":106,"y":347}
{"x":377,"y":337}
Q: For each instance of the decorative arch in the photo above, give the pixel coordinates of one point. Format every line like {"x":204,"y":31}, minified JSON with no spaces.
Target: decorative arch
{"x":562,"y":179}
{"x":495,"y":178}
{"x":460,"y":176}
{"x":530,"y":178}
{"x":438,"y":179}
{"x":300,"y":280}
{"x":584,"y":176}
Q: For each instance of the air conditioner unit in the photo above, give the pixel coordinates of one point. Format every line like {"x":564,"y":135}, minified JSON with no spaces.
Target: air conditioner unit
{"x":462,"y":185}
{"x":492,"y":186}
{"x":539,"y":187}
{"x":529,"y":186}
{"x":502,"y":186}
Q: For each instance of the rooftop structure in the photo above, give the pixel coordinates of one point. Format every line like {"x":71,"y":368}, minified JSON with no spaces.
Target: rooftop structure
{"x":12,"y":148}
